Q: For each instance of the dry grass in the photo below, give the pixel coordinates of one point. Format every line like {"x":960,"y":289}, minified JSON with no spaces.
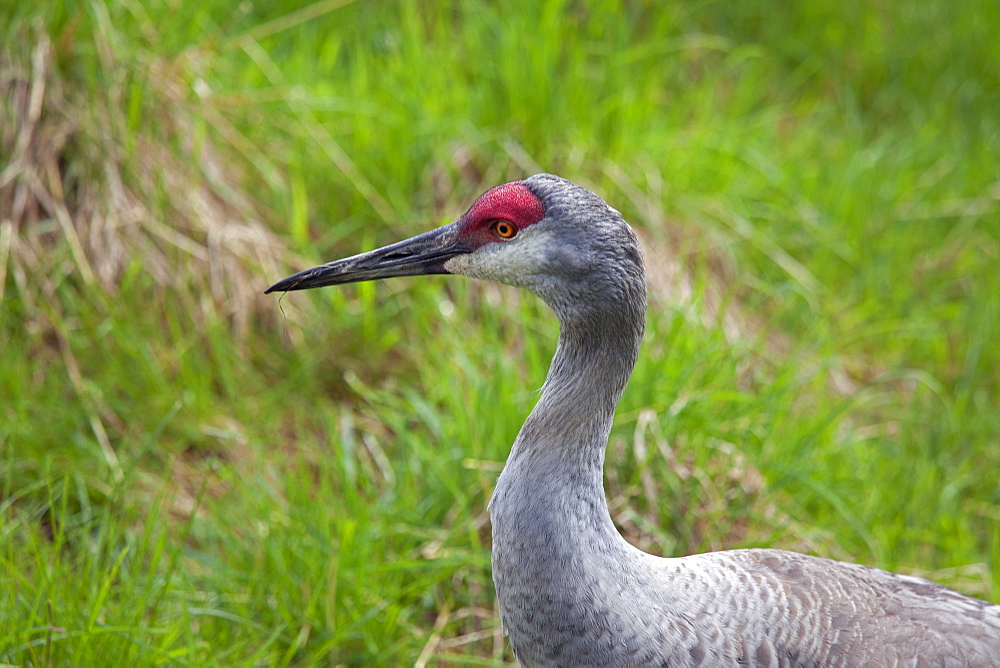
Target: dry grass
{"x":156,"y":200}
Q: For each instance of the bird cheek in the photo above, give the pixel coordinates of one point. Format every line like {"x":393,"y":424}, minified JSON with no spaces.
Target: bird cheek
{"x":457,"y":265}
{"x":489,"y":267}
{"x":473,"y":265}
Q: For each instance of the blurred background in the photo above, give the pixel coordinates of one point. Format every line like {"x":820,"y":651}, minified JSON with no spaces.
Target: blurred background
{"x":192,"y":473}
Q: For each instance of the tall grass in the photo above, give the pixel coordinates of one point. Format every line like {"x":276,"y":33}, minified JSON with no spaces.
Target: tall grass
{"x":192,"y":473}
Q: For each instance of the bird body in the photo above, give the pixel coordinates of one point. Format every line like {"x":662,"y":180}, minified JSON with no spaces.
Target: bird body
{"x":570,"y":589}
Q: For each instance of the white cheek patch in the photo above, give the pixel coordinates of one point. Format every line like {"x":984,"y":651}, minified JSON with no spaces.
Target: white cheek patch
{"x":516,"y":262}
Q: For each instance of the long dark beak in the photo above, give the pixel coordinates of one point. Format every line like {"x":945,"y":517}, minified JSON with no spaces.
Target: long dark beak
{"x":423,"y":254}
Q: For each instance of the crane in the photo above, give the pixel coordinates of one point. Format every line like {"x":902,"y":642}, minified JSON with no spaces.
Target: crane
{"x":570,"y":590}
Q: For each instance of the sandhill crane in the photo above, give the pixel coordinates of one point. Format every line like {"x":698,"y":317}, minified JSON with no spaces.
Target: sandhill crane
{"x":571,"y":590}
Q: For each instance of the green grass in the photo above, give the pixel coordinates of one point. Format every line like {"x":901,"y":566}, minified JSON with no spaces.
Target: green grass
{"x":192,"y":473}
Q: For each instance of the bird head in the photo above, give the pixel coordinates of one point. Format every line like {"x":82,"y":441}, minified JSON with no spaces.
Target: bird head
{"x":543,"y":233}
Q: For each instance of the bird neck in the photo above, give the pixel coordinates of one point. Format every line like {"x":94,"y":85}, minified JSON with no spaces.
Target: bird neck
{"x":562,"y":443}
{"x":593,"y":361}
{"x":553,"y":537}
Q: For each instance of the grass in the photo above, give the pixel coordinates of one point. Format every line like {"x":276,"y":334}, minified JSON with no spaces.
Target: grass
{"x":192,"y":473}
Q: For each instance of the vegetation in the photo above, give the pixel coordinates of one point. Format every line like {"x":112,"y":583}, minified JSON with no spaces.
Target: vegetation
{"x":193,"y":473}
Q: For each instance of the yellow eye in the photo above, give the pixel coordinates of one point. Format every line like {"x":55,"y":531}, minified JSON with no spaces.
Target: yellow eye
{"x":504,"y":229}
